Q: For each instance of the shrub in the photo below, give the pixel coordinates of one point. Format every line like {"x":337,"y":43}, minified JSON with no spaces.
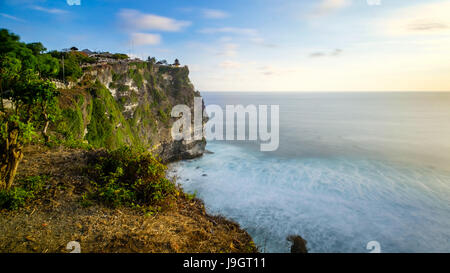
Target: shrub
{"x":120,"y":56}
{"x":128,"y":177}
{"x":26,"y":190}
{"x":14,"y":198}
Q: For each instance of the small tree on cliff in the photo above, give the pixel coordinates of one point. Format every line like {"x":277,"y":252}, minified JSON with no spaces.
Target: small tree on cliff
{"x":31,"y":100}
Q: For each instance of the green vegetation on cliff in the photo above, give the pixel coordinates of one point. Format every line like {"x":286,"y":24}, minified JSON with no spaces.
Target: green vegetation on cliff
{"x":129,"y":177}
{"x":113,"y":106}
{"x":24,"y":83}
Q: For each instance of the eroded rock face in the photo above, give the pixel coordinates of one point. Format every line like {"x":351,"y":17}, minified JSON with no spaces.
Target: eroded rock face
{"x":298,"y":244}
{"x":177,"y":150}
{"x":137,"y":105}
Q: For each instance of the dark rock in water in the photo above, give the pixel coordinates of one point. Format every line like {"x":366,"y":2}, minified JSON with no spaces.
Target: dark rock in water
{"x":177,"y":150}
{"x":298,"y":244}
{"x":198,"y":167}
{"x":208,"y":152}
{"x":204,"y":174}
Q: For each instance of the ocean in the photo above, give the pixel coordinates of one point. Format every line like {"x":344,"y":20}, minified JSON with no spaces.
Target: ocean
{"x":351,"y":168}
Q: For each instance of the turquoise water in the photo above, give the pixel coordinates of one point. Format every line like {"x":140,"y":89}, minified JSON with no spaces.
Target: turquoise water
{"x":351,"y":168}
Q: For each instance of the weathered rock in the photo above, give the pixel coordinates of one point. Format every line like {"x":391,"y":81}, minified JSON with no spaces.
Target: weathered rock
{"x":137,"y":98}
{"x":298,"y":244}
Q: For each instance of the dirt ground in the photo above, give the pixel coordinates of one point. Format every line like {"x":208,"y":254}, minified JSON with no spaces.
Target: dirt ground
{"x":57,"y":217}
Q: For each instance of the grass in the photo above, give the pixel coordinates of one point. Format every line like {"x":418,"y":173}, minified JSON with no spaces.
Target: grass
{"x":26,"y":190}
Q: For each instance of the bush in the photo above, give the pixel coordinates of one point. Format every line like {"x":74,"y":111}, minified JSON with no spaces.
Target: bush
{"x":25,"y":191}
{"x":127,"y":177}
{"x":14,"y":198}
{"x":120,"y":56}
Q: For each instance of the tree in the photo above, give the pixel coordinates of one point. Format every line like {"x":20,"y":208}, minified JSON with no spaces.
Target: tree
{"x":151,"y":60}
{"x":74,"y":48}
{"x":32,"y":99}
{"x":47,"y":66}
{"x":9,"y":73}
{"x":36,"y":48}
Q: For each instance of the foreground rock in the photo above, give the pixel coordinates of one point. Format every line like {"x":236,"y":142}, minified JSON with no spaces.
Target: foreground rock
{"x":298,"y":244}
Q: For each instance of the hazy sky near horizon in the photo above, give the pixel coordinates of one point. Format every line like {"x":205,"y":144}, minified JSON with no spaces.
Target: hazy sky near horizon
{"x":258,"y":45}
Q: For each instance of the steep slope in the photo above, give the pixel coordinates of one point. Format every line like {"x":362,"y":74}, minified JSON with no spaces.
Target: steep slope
{"x":129,"y":103}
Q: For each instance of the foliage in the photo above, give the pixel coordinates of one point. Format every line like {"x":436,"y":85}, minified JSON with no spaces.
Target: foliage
{"x":70,"y":64}
{"x":107,"y":128}
{"x":24,"y":82}
{"x":137,"y":77}
{"x":164,"y":115}
{"x":120,"y":56}
{"x":130,"y":177}
{"x":28,"y":189}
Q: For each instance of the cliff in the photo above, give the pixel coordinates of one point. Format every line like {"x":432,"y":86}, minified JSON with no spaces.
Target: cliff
{"x":128,"y":103}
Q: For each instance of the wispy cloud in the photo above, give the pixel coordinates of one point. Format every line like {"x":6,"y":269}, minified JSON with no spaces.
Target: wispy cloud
{"x":142,"y":21}
{"x":11,"y":17}
{"x":145,"y":38}
{"x":231,"y":30}
{"x":252,"y":35}
{"x":229,"y":50}
{"x":336,"y":52}
{"x":49,"y":10}
{"x":426,"y":25}
{"x":229,"y":64}
{"x":214,"y":14}
{"x":329,"y":6}
{"x":319,"y":54}
{"x":428,"y":18}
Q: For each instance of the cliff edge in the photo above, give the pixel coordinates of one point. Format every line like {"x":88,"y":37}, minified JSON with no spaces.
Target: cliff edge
{"x":128,"y":103}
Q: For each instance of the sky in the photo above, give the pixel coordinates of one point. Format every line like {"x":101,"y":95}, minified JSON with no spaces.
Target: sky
{"x":258,"y":45}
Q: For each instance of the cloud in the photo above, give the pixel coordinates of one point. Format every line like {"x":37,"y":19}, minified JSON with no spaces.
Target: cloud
{"x":141,"y":21}
{"x":426,"y":25}
{"x":214,"y":14}
{"x":329,"y":6}
{"x":267,"y":70}
{"x":231,"y":30}
{"x":429,"y":18}
{"x":229,"y":64}
{"x":229,"y":50}
{"x":336,"y":52}
{"x":145,"y":38}
{"x":260,"y":41}
{"x":316,"y":54}
{"x":270,"y":70}
{"x":49,"y":10}
{"x":319,"y":54}
{"x":251,"y":34}
{"x":11,"y":17}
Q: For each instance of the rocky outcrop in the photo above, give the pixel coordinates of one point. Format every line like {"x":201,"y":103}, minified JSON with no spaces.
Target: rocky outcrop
{"x":298,"y":244}
{"x":130,"y":103}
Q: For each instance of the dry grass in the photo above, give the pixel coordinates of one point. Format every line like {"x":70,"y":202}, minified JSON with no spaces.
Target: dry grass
{"x":57,"y":217}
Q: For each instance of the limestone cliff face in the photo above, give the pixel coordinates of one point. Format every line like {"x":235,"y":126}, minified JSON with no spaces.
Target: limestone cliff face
{"x":130,"y":103}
